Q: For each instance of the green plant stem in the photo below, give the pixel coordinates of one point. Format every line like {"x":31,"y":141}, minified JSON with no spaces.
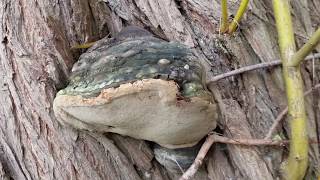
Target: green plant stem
{"x":234,"y":24}
{"x":224,"y":18}
{"x":306,"y":49}
{"x":297,"y":162}
{"x":83,"y":46}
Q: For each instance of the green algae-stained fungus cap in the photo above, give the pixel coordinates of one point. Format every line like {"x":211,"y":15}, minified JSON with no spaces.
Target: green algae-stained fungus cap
{"x":139,"y":86}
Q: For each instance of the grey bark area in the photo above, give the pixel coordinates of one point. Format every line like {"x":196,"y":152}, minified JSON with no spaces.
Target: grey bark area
{"x":36,"y":58}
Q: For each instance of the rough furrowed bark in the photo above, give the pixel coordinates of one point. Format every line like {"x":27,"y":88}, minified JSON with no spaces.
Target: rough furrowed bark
{"x":35,"y":60}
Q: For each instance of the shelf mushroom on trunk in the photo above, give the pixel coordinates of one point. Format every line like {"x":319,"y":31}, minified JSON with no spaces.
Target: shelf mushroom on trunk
{"x":140,"y":86}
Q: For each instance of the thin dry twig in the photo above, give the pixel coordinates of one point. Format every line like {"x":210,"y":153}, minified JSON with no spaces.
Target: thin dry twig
{"x":214,"y":138}
{"x":284,"y":112}
{"x":276,"y":123}
{"x":199,"y":159}
{"x":254,"y":67}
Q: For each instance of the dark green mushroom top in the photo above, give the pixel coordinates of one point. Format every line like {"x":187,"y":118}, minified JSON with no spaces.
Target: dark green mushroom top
{"x":134,"y":55}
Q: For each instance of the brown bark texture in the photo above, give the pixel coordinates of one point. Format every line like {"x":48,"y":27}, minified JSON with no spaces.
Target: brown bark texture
{"x":36,"y":58}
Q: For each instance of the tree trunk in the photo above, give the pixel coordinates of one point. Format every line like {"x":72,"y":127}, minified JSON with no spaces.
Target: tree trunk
{"x":36,"y":57}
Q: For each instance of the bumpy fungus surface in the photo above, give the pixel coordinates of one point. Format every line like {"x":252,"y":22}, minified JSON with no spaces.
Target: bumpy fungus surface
{"x":141,"y":86}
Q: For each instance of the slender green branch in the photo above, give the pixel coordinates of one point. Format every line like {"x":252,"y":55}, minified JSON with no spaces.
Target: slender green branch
{"x":285,"y":30}
{"x":83,"y":46}
{"x":224,"y":18}
{"x":242,"y":8}
{"x":297,"y":162}
{"x":306,"y":49}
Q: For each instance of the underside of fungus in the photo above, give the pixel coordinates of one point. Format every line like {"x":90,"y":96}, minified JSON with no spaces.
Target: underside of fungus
{"x":148,"y":109}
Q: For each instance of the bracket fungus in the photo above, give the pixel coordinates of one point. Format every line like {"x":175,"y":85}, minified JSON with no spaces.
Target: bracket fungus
{"x":140,"y":86}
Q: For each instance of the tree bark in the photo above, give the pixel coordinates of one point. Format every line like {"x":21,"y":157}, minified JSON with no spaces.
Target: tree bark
{"x":36,"y":58}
